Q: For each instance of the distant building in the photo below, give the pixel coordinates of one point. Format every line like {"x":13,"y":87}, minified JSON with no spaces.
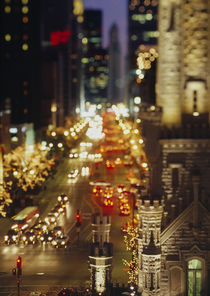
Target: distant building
{"x":95,"y":59}
{"x":61,"y":44}
{"x":114,"y":86}
{"x":142,"y":32}
{"x":20,"y":59}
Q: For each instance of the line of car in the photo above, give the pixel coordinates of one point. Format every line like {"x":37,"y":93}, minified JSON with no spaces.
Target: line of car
{"x":46,"y":231}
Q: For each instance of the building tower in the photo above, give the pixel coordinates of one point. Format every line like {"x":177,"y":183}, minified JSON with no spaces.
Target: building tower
{"x":114,"y":66}
{"x":150,"y":214}
{"x":101,"y":253}
{"x":183,"y":68}
{"x":183,"y":144}
{"x":20,"y":59}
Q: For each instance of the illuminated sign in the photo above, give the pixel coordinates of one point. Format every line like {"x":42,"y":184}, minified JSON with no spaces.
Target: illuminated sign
{"x":59,"y":37}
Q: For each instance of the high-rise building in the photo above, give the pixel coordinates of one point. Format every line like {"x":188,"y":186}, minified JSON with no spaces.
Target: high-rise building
{"x":142,"y":32}
{"x":61,"y":43}
{"x":95,"y":59}
{"x":177,"y":144}
{"x":114,"y":85}
{"x":20,"y":58}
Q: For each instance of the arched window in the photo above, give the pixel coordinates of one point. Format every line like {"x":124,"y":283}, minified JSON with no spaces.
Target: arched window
{"x":194,"y":277}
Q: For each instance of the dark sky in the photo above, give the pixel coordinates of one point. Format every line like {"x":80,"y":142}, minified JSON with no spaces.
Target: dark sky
{"x":114,"y":11}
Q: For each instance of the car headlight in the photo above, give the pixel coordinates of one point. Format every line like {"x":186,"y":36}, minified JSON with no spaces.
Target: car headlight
{"x":62,"y":243}
{"x":50,"y":238}
{"x":6,"y":237}
{"x":41,"y":238}
{"x":24,"y":238}
{"x":31,"y":238}
{"x":14,"y":237}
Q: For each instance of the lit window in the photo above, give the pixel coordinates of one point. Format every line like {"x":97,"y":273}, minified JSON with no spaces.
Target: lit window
{"x":25,"y":46}
{"x":7,"y":9}
{"x":25,"y":37}
{"x":25,"y":19}
{"x":24,"y":1}
{"x":84,"y":40}
{"x":7,"y":37}
{"x":25,"y":9}
{"x":194,"y":277}
{"x":80,"y":19}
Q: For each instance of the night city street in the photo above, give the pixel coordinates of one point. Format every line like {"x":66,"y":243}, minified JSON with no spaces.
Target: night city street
{"x":104,"y":148}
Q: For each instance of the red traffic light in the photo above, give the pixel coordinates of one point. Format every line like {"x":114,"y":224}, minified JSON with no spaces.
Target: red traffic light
{"x":78,"y":217}
{"x":14,"y":271}
{"x":19,"y":262}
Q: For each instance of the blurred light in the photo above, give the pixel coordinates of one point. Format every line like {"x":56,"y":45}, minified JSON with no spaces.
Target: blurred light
{"x":13,"y":130}
{"x":137,"y":100}
{"x":24,"y":1}
{"x":141,"y":141}
{"x":138,"y":120}
{"x":25,"y":9}
{"x":60,"y":145}
{"x":25,"y":46}
{"x":7,"y":37}
{"x":53,"y":107}
{"x":31,"y":172}
{"x":136,"y":131}
{"x":53,"y":134}
{"x":51,"y":145}
{"x":135,"y":147}
{"x":66,"y":133}
{"x":136,"y":109}
{"x":7,"y":9}
{"x":196,"y":113}
{"x":25,"y":19}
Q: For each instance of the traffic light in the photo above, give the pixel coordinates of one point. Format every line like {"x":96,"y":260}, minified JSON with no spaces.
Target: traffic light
{"x":78,"y":218}
{"x":14,"y":271}
{"x":19,"y":266}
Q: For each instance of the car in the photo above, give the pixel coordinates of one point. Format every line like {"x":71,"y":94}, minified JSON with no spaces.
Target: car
{"x":63,"y":198}
{"x":47,"y":237}
{"x":58,"y":231}
{"x":40,"y":227}
{"x":97,"y":190}
{"x":73,"y":176}
{"x":110,"y":164}
{"x":61,"y":241}
{"x":11,"y":237}
{"x":108,"y":202}
{"x":50,"y":219}
{"x":29,"y":237}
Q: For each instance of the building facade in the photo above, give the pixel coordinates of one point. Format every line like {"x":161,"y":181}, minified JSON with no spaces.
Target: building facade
{"x":177,"y":144}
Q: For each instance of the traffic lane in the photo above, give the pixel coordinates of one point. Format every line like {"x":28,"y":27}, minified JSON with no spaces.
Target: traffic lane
{"x":50,"y":266}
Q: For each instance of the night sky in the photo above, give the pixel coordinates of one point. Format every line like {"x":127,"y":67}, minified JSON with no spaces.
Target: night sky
{"x":114,"y":11}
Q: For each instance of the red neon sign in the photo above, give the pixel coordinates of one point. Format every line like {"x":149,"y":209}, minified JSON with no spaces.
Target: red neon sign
{"x":59,"y":37}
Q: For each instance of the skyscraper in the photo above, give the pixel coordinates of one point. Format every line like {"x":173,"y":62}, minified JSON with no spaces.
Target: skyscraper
{"x":95,"y":59}
{"x":20,"y":58}
{"x":114,"y":86}
{"x":142,"y":32}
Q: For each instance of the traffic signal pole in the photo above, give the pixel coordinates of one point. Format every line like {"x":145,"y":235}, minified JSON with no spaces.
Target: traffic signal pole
{"x":19,"y":273}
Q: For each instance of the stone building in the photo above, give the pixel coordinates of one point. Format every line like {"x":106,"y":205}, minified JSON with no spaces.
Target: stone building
{"x":174,"y":242}
{"x":101,"y":252}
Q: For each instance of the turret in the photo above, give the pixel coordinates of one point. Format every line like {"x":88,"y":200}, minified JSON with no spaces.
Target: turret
{"x":150,"y":216}
{"x":101,"y":252}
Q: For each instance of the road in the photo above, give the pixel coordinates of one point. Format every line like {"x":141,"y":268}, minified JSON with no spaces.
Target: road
{"x":48,"y":269}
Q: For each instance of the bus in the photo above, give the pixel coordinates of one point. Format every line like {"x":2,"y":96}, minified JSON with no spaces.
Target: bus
{"x":26,"y":218}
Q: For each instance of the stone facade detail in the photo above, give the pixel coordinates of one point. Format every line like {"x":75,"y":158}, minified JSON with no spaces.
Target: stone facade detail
{"x":100,"y":259}
{"x":183,"y":66}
